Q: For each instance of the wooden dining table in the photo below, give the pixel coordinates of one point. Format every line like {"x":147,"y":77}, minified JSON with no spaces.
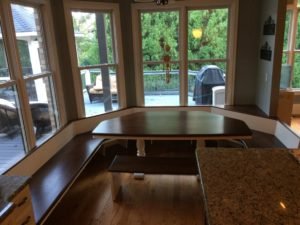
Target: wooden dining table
{"x":172,"y":125}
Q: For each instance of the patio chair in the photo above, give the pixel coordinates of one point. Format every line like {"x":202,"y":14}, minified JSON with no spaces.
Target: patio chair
{"x":9,"y":121}
{"x":95,"y":91}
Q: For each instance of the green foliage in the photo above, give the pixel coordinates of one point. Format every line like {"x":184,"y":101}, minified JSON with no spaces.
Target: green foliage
{"x":296,"y":72}
{"x":157,"y":25}
{"x":24,"y":56}
{"x":214,"y":25}
{"x":85,"y":30}
{"x":286,"y":29}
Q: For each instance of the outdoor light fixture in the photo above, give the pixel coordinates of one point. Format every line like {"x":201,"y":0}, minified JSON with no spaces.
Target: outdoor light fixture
{"x":162,"y":2}
{"x":197,"y":33}
{"x":158,"y":2}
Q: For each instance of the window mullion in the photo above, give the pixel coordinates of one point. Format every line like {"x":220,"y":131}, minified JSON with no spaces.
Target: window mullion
{"x":183,"y":67}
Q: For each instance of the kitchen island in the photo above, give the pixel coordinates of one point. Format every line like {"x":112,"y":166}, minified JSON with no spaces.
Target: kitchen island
{"x":252,"y":186}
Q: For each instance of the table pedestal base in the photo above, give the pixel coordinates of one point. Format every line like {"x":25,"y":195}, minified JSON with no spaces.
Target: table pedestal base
{"x":140,"y":146}
{"x":139,"y":176}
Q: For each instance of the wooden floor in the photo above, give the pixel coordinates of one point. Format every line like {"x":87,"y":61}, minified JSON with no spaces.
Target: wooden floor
{"x":157,"y":200}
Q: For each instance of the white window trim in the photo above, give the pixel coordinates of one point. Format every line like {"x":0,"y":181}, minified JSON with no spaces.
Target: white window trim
{"x":232,"y":5}
{"x":70,"y":5}
{"x":16,"y":69}
{"x":292,"y":33}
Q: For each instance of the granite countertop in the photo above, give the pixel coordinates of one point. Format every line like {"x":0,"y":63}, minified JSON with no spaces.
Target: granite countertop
{"x":250,"y":186}
{"x":9,"y":187}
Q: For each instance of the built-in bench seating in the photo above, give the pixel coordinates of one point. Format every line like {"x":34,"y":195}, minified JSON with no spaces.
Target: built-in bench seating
{"x":148,"y":165}
{"x":53,"y":179}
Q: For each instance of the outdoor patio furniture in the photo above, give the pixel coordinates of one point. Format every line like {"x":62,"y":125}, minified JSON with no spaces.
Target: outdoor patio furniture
{"x":208,"y":77}
{"x":10,"y":123}
{"x":41,"y":118}
{"x":95,"y":91}
{"x":218,"y":95}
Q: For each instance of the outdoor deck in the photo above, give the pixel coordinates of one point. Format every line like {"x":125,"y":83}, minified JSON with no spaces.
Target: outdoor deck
{"x":11,"y":151}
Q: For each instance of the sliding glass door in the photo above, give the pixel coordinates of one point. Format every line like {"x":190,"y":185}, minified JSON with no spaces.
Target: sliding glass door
{"x":207,"y":56}
{"x":160,"y":32}
{"x":184,"y":54}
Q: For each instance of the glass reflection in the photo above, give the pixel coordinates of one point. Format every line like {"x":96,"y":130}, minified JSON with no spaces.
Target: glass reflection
{"x":43,"y":108}
{"x":12,"y":145}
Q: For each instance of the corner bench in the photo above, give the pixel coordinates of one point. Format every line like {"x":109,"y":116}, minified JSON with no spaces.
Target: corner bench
{"x":52,"y":180}
{"x":149,"y":165}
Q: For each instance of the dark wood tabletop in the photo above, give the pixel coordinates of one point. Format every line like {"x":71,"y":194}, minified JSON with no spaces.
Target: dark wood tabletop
{"x":173,"y":125}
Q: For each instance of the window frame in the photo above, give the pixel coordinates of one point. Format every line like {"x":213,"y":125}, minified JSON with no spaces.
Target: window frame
{"x":183,"y":8}
{"x":112,"y":8}
{"x":291,"y":50}
{"x":17,"y":78}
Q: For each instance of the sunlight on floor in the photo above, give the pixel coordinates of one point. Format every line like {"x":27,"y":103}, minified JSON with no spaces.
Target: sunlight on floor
{"x":295,"y":125}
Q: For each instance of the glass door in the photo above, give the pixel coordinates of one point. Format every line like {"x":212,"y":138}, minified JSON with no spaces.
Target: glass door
{"x":207,"y":56}
{"x":184,"y":55}
{"x":160,"y":36}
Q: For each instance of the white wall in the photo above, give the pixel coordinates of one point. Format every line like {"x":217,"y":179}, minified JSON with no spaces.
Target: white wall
{"x":265,"y":68}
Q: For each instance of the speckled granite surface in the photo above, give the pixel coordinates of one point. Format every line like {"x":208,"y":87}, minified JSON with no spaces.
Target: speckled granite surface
{"x":9,"y":187}
{"x":250,"y":186}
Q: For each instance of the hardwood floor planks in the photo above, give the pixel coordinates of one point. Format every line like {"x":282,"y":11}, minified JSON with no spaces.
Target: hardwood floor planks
{"x":159,"y":200}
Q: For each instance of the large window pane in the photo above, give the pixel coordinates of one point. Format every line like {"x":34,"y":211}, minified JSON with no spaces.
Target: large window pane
{"x":284,"y":58}
{"x":12,"y":147}
{"x":207,"y":39}
{"x":93,"y":36}
{"x":96,"y":94}
{"x":30,"y":39}
{"x":95,"y":48}
{"x":297,"y":46}
{"x":161,"y":88}
{"x":160,"y":32}
{"x":43,"y":108}
{"x":207,"y":34}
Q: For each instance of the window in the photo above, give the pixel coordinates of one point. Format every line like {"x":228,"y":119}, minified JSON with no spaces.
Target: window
{"x":291,"y":45}
{"x":178,"y":45}
{"x":98,"y":65}
{"x":160,"y":32}
{"x":207,"y":52}
{"x":28,"y":106}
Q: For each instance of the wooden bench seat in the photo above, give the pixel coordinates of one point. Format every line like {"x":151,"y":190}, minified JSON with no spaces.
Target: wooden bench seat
{"x":53,"y":179}
{"x":149,"y":165}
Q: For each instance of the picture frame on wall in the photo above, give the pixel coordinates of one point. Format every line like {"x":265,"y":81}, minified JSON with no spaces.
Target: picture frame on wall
{"x":269,"y":26}
{"x":266,"y":52}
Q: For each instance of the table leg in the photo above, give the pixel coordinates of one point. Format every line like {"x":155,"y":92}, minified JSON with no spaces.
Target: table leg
{"x":140,"y":145}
